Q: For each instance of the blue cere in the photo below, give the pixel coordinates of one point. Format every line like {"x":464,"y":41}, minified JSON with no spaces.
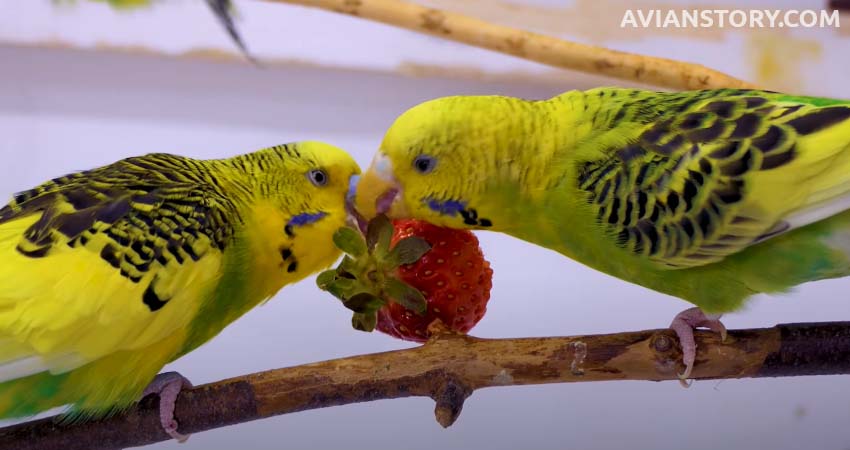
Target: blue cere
{"x":446,"y":207}
{"x":306,"y":218}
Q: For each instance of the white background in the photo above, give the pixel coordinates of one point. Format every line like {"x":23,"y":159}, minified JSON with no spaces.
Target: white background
{"x":63,"y":110}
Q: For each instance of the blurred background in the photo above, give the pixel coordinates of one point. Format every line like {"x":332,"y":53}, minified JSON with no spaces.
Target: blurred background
{"x":82,"y":85}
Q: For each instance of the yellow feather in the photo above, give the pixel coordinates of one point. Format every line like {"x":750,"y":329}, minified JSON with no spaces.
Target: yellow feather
{"x":819,"y":174}
{"x":41,"y":305}
{"x":107,"y":275}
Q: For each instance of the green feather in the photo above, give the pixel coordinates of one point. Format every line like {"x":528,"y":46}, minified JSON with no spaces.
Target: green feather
{"x":710,"y":196}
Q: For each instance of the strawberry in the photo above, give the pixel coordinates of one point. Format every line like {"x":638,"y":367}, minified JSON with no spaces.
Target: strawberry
{"x":453,"y":276}
{"x":408,"y":274}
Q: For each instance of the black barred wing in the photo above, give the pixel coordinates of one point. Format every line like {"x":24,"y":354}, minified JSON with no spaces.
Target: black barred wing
{"x":137,"y":214}
{"x":117,"y":258}
{"x":714,"y":172}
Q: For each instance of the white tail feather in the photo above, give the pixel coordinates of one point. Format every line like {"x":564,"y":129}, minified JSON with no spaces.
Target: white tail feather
{"x":21,"y":368}
{"x":20,"y":361}
{"x":819,"y":211}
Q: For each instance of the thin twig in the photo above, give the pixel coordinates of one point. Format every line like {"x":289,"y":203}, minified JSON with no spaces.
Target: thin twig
{"x":449,"y":369}
{"x":532,"y":46}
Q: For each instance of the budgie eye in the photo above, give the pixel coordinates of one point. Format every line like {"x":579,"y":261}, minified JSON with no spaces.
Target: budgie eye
{"x":318,"y":177}
{"x":424,"y":164}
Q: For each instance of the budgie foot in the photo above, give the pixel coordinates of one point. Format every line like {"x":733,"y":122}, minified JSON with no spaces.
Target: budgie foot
{"x":683,"y":324}
{"x":168,"y":386}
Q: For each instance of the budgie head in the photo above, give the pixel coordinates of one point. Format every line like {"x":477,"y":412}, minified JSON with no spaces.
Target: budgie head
{"x":303,"y":174}
{"x":311,"y":182}
{"x":443,"y":161}
{"x":305,"y":184}
{"x":296,"y":198}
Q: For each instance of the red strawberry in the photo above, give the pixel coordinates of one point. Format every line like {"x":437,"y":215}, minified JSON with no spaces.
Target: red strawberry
{"x":453,"y":276}
{"x":404,"y":277}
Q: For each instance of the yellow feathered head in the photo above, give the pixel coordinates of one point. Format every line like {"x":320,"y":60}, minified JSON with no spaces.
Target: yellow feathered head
{"x":301,"y":176}
{"x":441,"y":160}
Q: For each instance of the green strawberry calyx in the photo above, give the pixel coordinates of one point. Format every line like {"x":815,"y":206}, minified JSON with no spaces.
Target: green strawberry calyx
{"x":366,"y":279}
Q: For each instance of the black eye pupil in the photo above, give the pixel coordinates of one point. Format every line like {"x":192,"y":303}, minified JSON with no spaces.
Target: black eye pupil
{"x":424,"y":164}
{"x":318,"y":177}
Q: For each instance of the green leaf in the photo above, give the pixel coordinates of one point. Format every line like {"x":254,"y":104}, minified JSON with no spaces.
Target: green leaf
{"x":363,"y":302}
{"x":364,"y":322}
{"x":325,"y":278}
{"x":343,"y":288}
{"x":348,"y":264}
{"x":405,"y":295}
{"x":350,"y":241}
{"x":407,"y":251}
{"x":379,"y":233}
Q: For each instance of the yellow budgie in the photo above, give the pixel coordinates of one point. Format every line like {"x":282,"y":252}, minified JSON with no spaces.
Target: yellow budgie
{"x":107,"y":275}
{"x":710,"y":196}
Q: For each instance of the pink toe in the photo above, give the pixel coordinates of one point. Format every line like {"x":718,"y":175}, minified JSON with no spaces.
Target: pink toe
{"x":684,"y":323}
{"x":168,"y":387}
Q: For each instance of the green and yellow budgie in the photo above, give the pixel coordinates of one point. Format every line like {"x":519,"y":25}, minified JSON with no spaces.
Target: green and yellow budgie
{"x":710,"y":196}
{"x":107,"y":275}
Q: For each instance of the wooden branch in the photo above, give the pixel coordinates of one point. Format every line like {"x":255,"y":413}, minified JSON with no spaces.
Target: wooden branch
{"x":532,"y":46}
{"x":449,"y":369}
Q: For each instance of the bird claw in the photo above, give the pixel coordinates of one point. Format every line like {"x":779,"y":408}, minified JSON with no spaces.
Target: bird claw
{"x":168,"y":386}
{"x":684,"y":324}
{"x":171,"y":429}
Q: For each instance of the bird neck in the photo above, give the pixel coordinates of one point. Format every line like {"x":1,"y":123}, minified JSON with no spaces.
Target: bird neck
{"x":534,"y":159}
{"x":537,"y":190}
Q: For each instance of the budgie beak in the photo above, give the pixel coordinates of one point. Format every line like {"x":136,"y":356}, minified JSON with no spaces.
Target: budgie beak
{"x":379,"y":192}
{"x":354,"y":218}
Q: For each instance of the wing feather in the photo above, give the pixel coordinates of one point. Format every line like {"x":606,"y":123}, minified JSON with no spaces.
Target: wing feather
{"x":107,"y":260}
{"x":705,"y":175}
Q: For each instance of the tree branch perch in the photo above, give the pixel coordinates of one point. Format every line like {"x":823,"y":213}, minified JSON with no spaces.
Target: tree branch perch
{"x":449,"y":369}
{"x":531,"y":46}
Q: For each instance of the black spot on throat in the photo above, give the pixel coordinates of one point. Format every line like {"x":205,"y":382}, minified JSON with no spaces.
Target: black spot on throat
{"x":285,"y":253}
